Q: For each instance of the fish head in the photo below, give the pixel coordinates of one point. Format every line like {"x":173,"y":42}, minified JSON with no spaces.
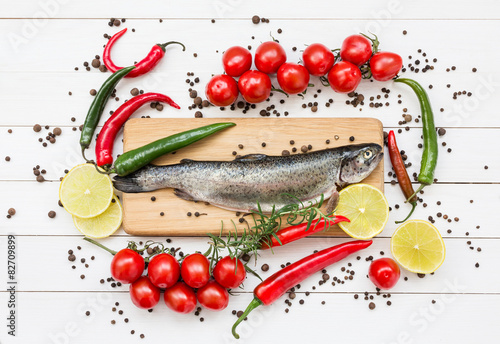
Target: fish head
{"x":359,"y":161}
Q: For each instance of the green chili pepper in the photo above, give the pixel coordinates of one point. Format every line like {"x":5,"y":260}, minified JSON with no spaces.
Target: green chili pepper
{"x":97,"y":107}
{"x":133,"y":160}
{"x":430,"y":153}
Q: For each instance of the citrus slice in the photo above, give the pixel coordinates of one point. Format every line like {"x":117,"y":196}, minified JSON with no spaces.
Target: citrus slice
{"x":366,"y":207}
{"x":418,"y":247}
{"x":103,"y":225}
{"x":84,"y":192}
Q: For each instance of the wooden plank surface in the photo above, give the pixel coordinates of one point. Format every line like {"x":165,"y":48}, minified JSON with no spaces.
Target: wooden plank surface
{"x":55,"y":36}
{"x":142,"y":216}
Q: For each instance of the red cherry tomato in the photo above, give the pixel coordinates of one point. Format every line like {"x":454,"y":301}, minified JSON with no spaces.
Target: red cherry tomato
{"x":221,"y":90}
{"x":269,"y":56}
{"x":236,"y":61}
{"x":164,"y":270}
{"x":255,"y":86}
{"x":385,"y":65}
{"x":344,"y":77}
{"x":213,"y":296}
{"x":180,"y":298}
{"x":127,"y":266}
{"x":384,"y":273}
{"x":356,"y":49}
{"x":318,"y":59}
{"x":226,"y":273}
{"x":293,"y":78}
{"x":144,"y":294}
{"x":195,"y":270}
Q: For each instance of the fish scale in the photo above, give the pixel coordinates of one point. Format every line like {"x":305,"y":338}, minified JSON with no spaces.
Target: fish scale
{"x":271,"y":181}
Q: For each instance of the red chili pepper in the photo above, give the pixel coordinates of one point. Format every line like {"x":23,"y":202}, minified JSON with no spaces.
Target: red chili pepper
{"x":401,"y":173}
{"x":279,"y":283}
{"x":292,"y":233}
{"x":106,"y":138}
{"x":142,"y":67}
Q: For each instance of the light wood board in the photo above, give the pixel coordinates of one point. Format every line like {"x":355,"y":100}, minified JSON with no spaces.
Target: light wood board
{"x":142,"y":216}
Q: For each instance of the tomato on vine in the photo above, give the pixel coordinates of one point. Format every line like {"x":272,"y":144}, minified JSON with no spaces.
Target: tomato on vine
{"x":318,"y":59}
{"x":195,"y":270}
{"x":269,"y":56}
{"x":236,"y":61}
{"x":127,"y":266}
{"x":255,"y":86}
{"x":293,"y":78}
{"x":213,"y":296}
{"x":144,"y":294}
{"x":356,"y":49}
{"x":221,"y":90}
{"x":344,"y":77}
{"x":385,"y":65}
{"x":164,"y":270}
{"x":229,"y":272}
{"x":180,"y":298}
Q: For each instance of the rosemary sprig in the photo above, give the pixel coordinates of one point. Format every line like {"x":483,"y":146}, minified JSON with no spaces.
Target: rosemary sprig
{"x":265,"y":227}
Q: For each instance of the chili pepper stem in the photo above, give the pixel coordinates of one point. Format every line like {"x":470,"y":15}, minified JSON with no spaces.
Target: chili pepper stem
{"x":83,"y":154}
{"x":414,"y":205}
{"x":100,"y":171}
{"x":416,"y":192}
{"x":254,"y":304}
{"x":164,"y":45}
{"x":100,"y":245}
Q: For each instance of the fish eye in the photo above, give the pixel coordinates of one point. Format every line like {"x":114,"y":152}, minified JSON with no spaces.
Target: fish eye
{"x":367,"y":154}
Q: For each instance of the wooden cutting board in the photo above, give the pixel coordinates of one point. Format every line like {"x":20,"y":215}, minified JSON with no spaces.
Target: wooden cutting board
{"x":142,"y":215}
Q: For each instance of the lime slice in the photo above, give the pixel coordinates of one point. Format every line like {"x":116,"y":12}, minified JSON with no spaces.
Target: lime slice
{"x":366,"y":207}
{"x":101,"y":226}
{"x":84,"y":192}
{"x":418,"y":247}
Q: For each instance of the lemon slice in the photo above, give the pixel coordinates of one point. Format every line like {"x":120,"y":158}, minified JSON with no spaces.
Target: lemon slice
{"x":418,"y":247}
{"x":101,"y":226}
{"x":366,"y":207}
{"x":84,"y":192}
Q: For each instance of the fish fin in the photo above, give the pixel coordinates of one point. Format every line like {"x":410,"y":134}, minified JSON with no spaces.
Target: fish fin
{"x":251,"y":157}
{"x":333,"y":202}
{"x":127,"y":184}
{"x":184,"y":195}
{"x":186,"y":160}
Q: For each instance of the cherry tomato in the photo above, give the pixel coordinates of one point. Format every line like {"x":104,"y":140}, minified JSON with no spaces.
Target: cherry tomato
{"x":385,"y":65}
{"x":180,"y":298}
{"x":356,"y":49}
{"x":236,"y":61}
{"x":127,"y":266}
{"x":213,"y":296}
{"x":269,"y":56}
{"x":221,"y":90}
{"x":195,"y":270}
{"x":164,"y":270}
{"x":293,"y":78}
{"x":226,"y":273}
{"x":318,"y":59}
{"x":255,"y":86}
{"x":144,"y":294}
{"x":344,"y":77}
{"x":384,"y":273}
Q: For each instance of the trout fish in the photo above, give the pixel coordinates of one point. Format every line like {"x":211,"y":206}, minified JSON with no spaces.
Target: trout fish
{"x":270,"y":181}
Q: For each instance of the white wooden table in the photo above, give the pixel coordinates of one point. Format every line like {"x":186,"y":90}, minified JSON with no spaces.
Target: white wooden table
{"x":41,"y":43}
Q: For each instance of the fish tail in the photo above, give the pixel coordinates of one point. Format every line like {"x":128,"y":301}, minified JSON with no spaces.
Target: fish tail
{"x":127,"y":184}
